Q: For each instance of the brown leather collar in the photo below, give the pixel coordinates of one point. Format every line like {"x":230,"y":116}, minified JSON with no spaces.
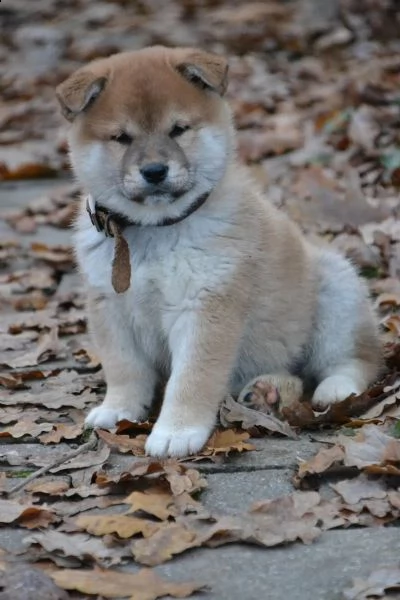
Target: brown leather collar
{"x":102,"y":218}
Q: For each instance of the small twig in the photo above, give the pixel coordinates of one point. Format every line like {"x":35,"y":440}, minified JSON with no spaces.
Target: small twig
{"x":81,"y":450}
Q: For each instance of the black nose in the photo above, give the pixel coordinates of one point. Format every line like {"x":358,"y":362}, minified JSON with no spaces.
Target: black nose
{"x":154,"y":172}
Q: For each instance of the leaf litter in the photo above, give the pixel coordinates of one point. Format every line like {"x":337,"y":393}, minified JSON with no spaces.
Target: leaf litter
{"x":318,"y":125}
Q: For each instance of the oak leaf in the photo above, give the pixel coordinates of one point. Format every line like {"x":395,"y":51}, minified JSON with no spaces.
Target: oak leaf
{"x":144,"y":585}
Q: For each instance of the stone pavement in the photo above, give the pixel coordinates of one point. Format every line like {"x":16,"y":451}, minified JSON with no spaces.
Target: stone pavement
{"x":296,"y":572}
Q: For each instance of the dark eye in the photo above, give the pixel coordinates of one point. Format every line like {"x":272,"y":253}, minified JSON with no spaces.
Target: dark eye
{"x":122,"y":138}
{"x":178,"y":130}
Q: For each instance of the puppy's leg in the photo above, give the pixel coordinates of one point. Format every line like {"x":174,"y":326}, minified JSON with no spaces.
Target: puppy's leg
{"x":345,"y":353}
{"x":204,"y":347}
{"x":342,"y":381}
{"x":129,"y":377}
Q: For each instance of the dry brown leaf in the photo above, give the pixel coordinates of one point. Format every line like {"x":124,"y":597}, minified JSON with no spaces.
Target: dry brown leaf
{"x":124,"y":443}
{"x":269,"y":523}
{"x":27,"y":516}
{"x":155,"y":502}
{"x":182,"y":479}
{"x":87,"y":357}
{"x":389,"y":401}
{"x":91,"y":458}
{"x":164,"y":544}
{"x":78,"y":546}
{"x":301,"y":414}
{"x":233,"y":413}
{"x":126,"y":426}
{"x":361,"y":488}
{"x":123,"y":525}
{"x":144,"y":585}
{"x":140,"y":468}
{"x":58,"y":255}
{"x":321,"y":462}
{"x":13,"y":382}
{"x":52,"y":487}
{"x":49,"y":347}
{"x":54,"y":399}
{"x":381,"y":580}
{"x":26,"y":426}
{"x":371,"y":446}
{"x":61,"y":431}
{"x":227,"y":441}
{"x":71,"y":507}
{"x":26,"y":171}
{"x":370,"y":450}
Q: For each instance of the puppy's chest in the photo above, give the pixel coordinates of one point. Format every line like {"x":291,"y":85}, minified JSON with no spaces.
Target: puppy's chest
{"x":170,"y":270}
{"x":179,"y":279}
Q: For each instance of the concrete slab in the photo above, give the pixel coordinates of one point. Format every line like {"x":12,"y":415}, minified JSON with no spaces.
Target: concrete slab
{"x":235,"y":492}
{"x":297,"y":572}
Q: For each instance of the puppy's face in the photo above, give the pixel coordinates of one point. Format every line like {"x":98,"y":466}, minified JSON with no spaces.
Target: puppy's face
{"x":150,"y":131}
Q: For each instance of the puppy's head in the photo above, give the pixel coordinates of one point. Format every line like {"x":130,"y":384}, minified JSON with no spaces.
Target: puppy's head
{"x":150,"y":130}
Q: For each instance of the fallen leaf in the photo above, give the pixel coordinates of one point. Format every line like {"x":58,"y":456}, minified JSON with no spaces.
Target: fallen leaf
{"x":54,"y":399}
{"x":227,"y":441}
{"x":233,"y":413}
{"x":27,"y":516}
{"x":53,"y":487}
{"x":79,"y":546}
{"x":87,"y":358}
{"x":91,"y":458}
{"x":26,"y":171}
{"x":144,"y":585}
{"x":183,"y":480}
{"x":321,"y":462}
{"x":269,"y":523}
{"x":123,"y":525}
{"x":371,"y":446}
{"x":164,"y":544}
{"x":157,"y":503}
{"x":360,"y":488}
{"x":26,"y":426}
{"x":49,"y":347}
{"x":59,"y":255}
{"x":124,"y":443}
{"x":381,"y":580}
{"x":61,"y":431}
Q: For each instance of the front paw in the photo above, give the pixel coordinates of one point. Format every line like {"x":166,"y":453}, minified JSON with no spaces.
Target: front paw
{"x":107,"y":417}
{"x":176,"y":442}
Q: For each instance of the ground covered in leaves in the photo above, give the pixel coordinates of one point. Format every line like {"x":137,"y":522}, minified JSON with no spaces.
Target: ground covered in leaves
{"x":315,"y":91}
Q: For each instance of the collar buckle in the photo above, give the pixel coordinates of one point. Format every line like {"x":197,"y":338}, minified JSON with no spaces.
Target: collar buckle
{"x":91,"y":210}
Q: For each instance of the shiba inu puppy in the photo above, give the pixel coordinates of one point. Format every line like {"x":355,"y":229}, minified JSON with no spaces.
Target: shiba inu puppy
{"x":200,"y":282}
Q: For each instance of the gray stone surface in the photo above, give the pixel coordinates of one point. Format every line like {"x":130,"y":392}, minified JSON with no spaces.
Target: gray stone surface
{"x":297,"y":572}
{"x":235,"y":492}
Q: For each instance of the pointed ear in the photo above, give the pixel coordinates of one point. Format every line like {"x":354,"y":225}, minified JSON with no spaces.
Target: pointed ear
{"x":205,"y":70}
{"x":78,"y":92}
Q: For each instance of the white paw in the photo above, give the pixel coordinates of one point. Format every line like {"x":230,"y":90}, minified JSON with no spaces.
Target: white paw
{"x":102,"y":416}
{"x":166,"y":441}
{"x":334,"y":389}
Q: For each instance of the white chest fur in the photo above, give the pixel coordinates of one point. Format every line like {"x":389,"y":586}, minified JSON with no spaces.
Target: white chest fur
{"x":174,"y":268}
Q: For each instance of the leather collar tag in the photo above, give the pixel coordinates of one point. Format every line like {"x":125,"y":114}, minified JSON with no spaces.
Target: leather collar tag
{"x":121,"y":264}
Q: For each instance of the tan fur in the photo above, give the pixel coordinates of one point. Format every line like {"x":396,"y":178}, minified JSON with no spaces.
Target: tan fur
{"x":231,"y":292}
